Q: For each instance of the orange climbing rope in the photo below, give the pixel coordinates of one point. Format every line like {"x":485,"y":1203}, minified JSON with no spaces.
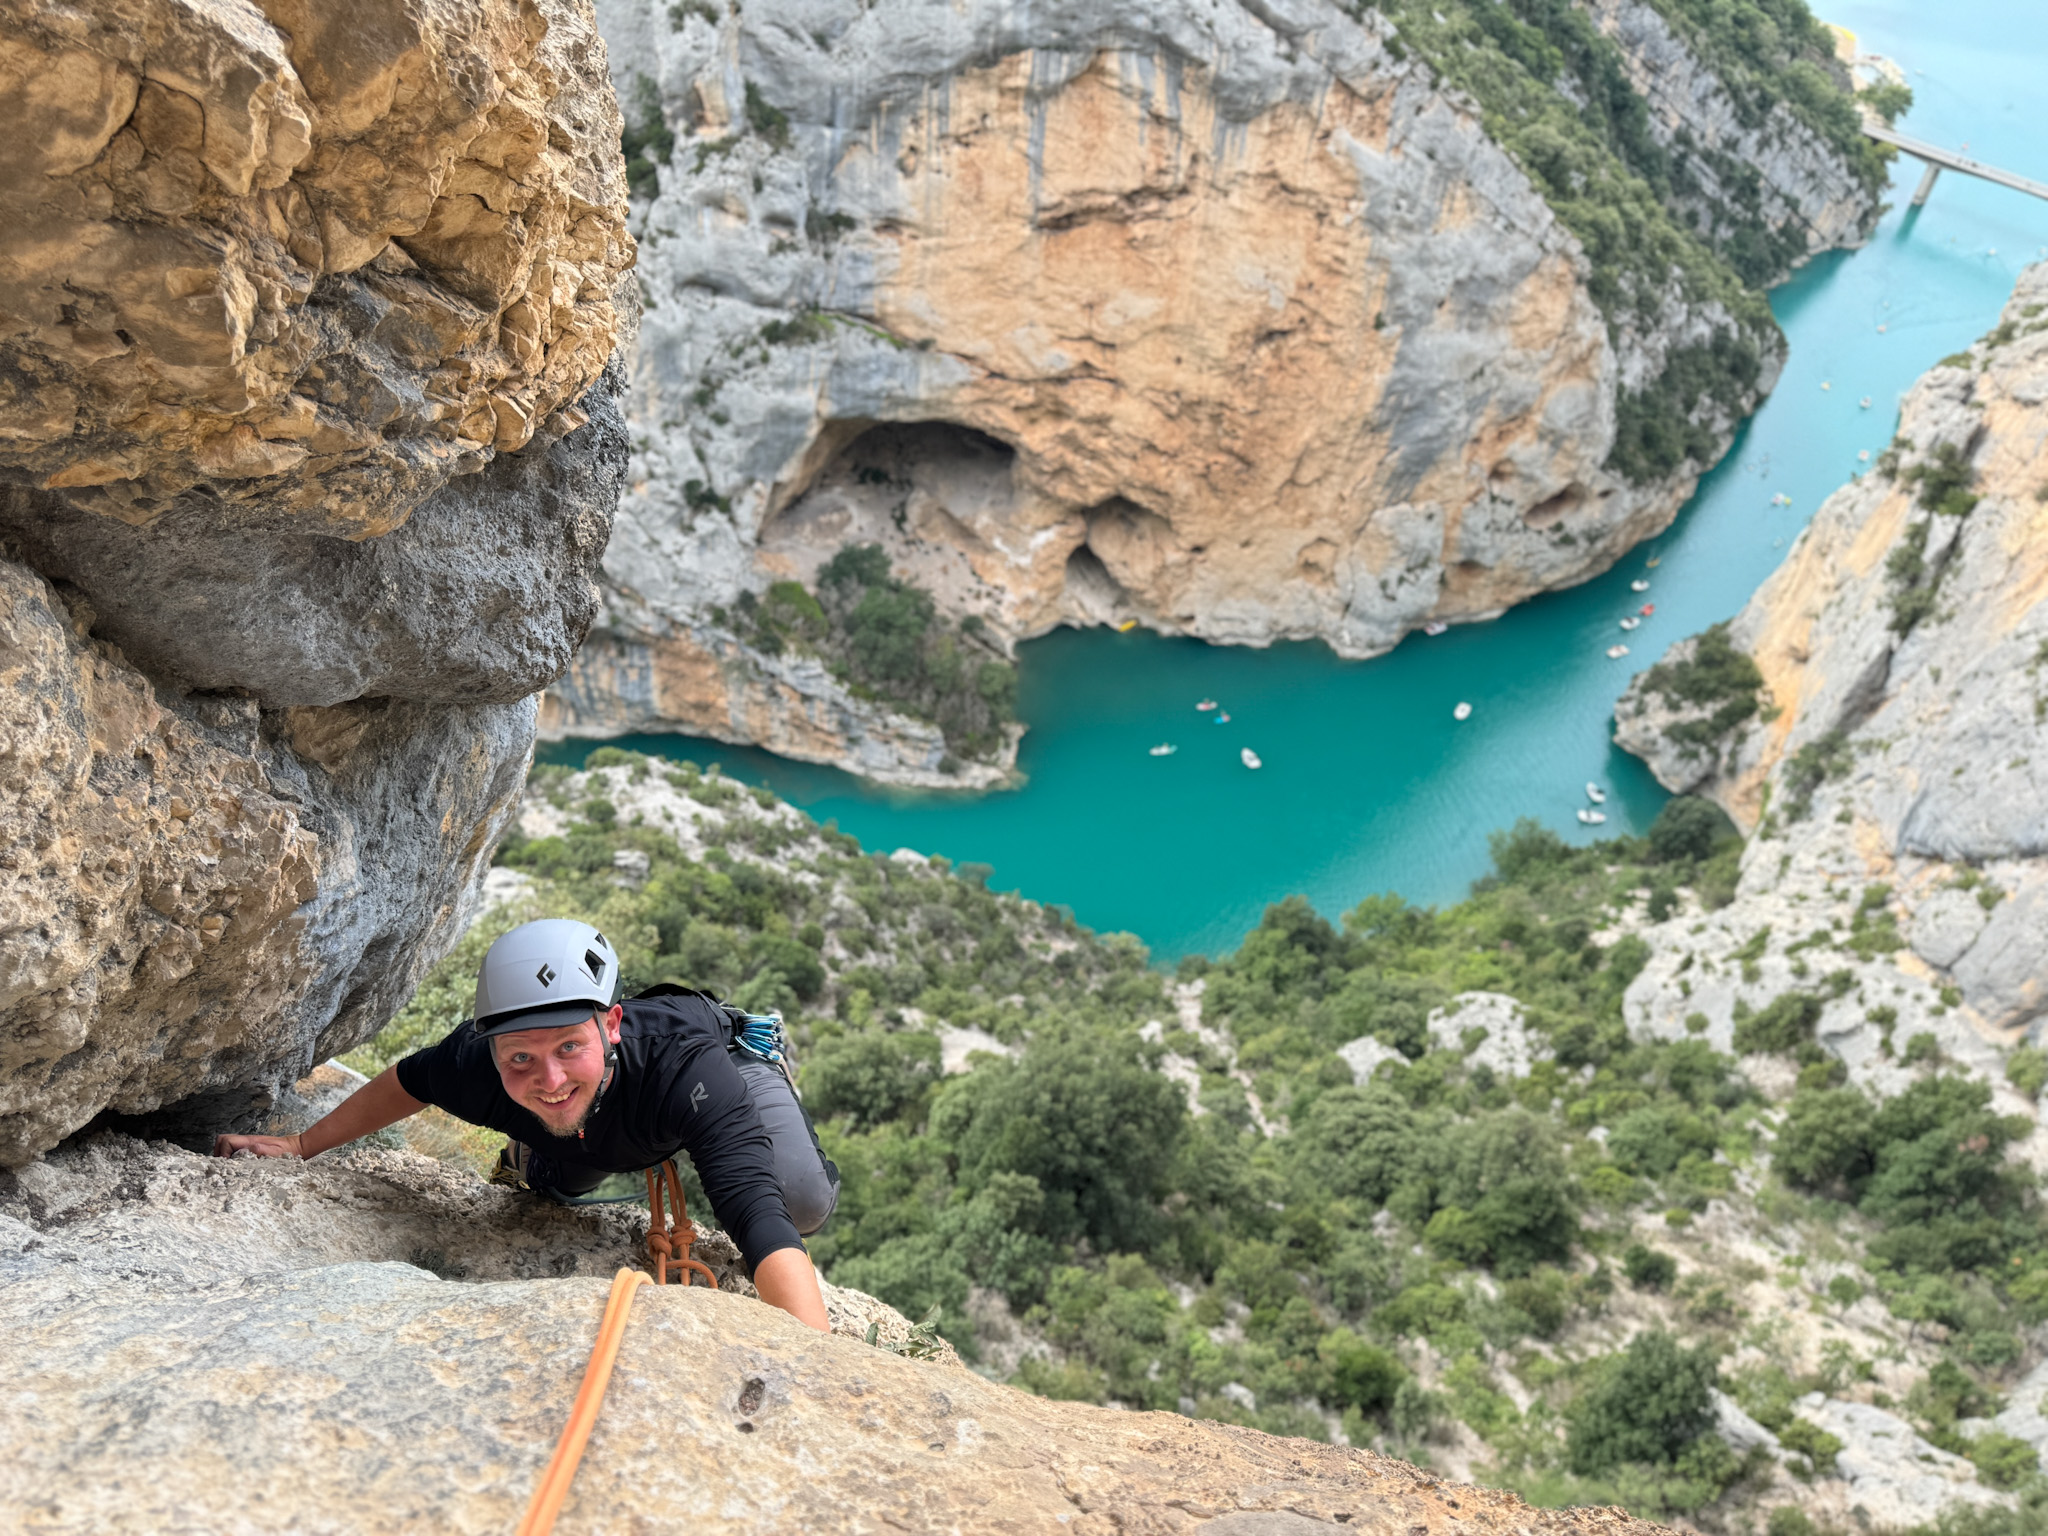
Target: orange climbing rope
{"x":554,"y":1483}
{"x":666,"y":1245}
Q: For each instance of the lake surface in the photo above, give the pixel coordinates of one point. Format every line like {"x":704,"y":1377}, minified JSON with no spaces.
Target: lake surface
{"x":1369,"y":785}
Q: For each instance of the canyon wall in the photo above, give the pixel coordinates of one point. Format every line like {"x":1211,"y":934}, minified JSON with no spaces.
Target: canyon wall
{"x":1233,"y":324}
{"x":1894,"y":776}
{"x":309,"y":444}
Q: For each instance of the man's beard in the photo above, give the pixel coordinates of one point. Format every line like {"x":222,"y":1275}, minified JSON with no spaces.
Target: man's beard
{"x":589,"y":1109}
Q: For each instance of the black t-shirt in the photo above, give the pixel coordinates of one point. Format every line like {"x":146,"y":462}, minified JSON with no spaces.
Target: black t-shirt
{"x":675,"y":1090}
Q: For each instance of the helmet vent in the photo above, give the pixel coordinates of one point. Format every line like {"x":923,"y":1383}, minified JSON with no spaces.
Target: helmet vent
{"x":594,"y":963}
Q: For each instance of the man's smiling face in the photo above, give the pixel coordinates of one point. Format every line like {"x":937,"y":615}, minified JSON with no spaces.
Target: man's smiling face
{"x":556,"y":1073}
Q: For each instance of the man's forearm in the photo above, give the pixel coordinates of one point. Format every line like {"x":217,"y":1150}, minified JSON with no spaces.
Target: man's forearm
{"x":786,"y":1279}
{"x":378,"y":1103}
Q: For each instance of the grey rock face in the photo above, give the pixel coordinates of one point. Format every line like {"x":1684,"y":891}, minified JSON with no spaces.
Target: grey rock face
{"x":203,"y":896}
{"x":315,"y":322}
{"x":1267,"y":339}
{"x":479,"y":596}
{"x":1740,"y":160}
{"x":1907,"y":709}
{"x":176,"y":1362}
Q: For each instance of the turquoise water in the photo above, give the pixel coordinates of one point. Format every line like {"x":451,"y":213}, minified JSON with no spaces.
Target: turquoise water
{"x":1368,"y":783}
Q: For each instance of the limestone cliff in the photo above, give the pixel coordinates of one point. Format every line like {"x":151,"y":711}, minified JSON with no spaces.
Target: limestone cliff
{"x":1234,"y":323}
{"x":176,"y":1364}
{"x":1893,"y":776}
{"x":308,"y":452}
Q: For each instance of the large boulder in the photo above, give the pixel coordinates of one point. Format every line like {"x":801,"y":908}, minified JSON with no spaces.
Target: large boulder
{"x":173,"y":1364}
{"x":309,"y":447}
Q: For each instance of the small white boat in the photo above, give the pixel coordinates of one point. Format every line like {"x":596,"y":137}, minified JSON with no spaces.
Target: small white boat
{"x":1639,"y":585}
{"x":1206,"y":704}
{"x":1616,"y":652}
{"x":1824,"y":384}
{"x":1882,"y":329}
{"x":1864,"y":402}
{"x":1593,"y":818}
{"x":1595,"y":793}
{"x":1165,"y":749}
{"x":1630,"y":622}
{"x":1435,"y":627}
{"x":1863,"y":457}
{"x":1250,"y":758}
{"x":1462,"y":712}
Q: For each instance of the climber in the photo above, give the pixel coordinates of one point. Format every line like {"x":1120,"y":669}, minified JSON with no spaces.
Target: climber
{"x":586,"y":1086}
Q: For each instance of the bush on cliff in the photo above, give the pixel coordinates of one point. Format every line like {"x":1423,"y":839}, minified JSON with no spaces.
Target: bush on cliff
{"x":883,"y":636}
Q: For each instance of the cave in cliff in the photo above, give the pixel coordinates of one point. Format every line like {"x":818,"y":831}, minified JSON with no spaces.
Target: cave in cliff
{"x":945,"y":501}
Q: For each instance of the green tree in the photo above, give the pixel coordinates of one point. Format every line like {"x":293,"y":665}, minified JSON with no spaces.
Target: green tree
{"x":870,"y":1078}
{"x":1647,"y":1404}
{"x":1091,"y":1122}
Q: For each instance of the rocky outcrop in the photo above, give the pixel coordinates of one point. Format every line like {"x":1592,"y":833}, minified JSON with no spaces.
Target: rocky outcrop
{"x":1894,"y":781}
{"x":174,"y":1362}
{"x":1231,"y":323}
{"x":308,"y":453}
{"x":1738,"y":158}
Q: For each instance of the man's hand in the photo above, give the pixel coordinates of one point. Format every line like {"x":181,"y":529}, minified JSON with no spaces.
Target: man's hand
{"x":258,"y":1146}
{"x":378,"y":1103}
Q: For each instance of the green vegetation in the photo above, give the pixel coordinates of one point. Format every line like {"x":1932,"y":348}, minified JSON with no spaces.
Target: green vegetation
{"x":767,"y":119}
{"x":1716,"y":678}
{"x":1825,"y":757}
{"x":1437,"y":1210}
{"x":883,"y":637}
{"x":1554,"y":92}
{"x":646,"y":138}
{"x":1943,"y":480}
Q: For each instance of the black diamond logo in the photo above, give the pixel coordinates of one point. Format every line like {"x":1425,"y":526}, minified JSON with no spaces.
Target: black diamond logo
{"x":546,"y":974}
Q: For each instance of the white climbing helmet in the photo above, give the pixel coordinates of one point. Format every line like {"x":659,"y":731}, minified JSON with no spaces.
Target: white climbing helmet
{"x":545,"y":975}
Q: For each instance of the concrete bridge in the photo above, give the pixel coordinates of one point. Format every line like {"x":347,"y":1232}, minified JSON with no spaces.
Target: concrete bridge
{"x":1938,"y":160}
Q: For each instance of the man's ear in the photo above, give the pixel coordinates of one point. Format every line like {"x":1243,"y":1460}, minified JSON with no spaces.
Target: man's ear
{"x":612,"y":1021}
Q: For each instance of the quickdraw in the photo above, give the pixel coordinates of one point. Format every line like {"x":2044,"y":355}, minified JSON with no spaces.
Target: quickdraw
{"x":668,"y":1244}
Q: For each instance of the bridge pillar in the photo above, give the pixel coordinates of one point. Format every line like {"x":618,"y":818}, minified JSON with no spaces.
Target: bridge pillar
{"x":1926,"y":185}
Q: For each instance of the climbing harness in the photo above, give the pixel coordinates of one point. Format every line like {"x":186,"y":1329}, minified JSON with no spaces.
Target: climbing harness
{"x":667,"y":1244}
{"x":561,"y":1472}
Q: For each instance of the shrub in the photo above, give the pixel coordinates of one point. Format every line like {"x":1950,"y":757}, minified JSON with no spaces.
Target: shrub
{"x":1362,"y":1375}
{"x":1647,"y":1269}
{"x":2027,"y":1070}
{"x":645,"y":138}
{"x":885,"y":637}
{"x":1825,"y":1142}
{"x":1724,"y":682}
{"x":1647,"y":1404}
{"x":1652,"y":1141}
{"x":765,"y":118}
{"x":1096,"y":1127}
{"x":1780,"y":1027}
{"x":2003,"y":1461}
{"x":1815,"y":1445}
